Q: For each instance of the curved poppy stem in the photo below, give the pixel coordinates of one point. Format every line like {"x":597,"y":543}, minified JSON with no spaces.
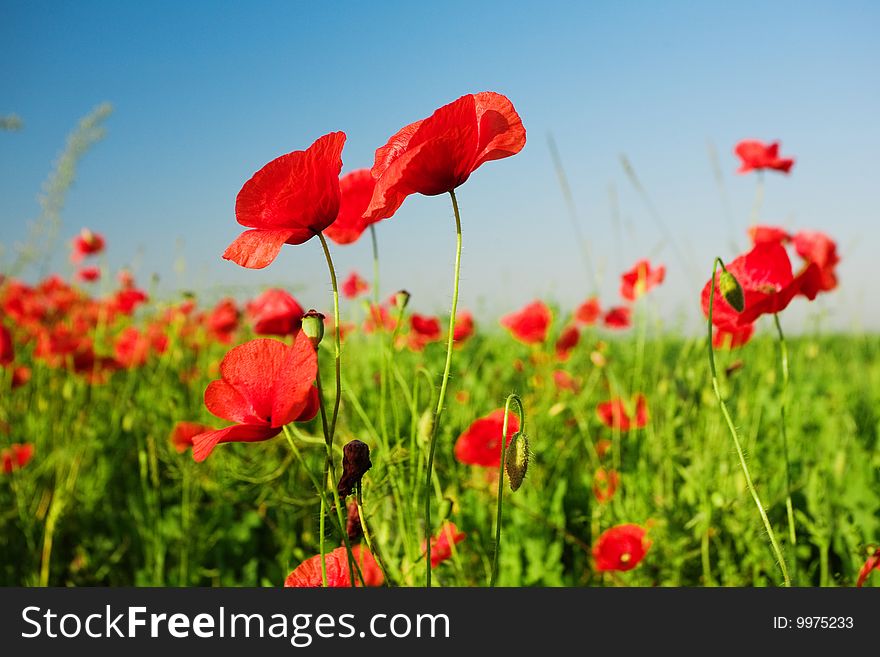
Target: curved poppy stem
{"x":439,"y":410}
{"x":522,"y":420}
{"x":337,"y":342}
{"x":783,"y":362}
{"x":774,"y":544}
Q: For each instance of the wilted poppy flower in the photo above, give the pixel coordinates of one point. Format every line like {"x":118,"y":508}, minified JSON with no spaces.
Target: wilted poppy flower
{"x":567,"y":341}
{"x":618,"y":317}
{"x":819,"y":249}
{"x":480,"y":444}
{"x":85,"y":244}
{"x":873,"y":563}
{"x":275,"y":312}
{"x":760,"y":234}
{"x":264,"y":385}
{"x":621,"y":548}
{"x":423,"y":329}
{"x":88,"y":274}
{"x":464,"y":327}
{"x":640,"y":280}
{"x":7,"y":349}
{"x":605,"y":483}
{"x":288,"y":201}
{"x":588,"y":312}
{"x":614,"y":415}
{"x":355,"y":191}
{"x":441,"y":544}
{"x":354,"y":286}
{"x":308,"y":573}
{"x":181,"y":436}
{"x":530,"y":324}
{"x":437,"y":154}
{"x":16,"y":456}
{"x":732,"y":337}
{"x":756,"y":155}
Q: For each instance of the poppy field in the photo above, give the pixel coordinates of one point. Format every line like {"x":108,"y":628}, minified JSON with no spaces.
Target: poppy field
{"x":355,"y":439}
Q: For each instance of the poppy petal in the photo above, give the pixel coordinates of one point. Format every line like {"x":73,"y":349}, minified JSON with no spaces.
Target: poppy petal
{"x":256,"y":249}
{"x":204,"y":443}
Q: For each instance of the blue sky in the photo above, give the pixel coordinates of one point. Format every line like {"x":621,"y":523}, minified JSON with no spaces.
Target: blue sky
{"x":205,"y":93}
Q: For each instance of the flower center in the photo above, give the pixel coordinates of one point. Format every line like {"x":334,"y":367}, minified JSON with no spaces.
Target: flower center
{"x":625,"y":557}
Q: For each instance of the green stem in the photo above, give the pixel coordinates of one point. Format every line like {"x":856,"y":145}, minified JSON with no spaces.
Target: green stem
{"x":337,"y":341}
{"x":521,"y":417}
{"x":783,"y":361}
{"x":774,"y":544}
{"x":439,"y":410}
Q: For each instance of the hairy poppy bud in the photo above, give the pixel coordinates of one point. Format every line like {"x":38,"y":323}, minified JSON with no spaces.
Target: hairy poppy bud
{"x":401,"y":299}
{"x":732,"y":291}
{"x":516,"y":460}
{"x":313,"y":327}
{"x":355,"y":463}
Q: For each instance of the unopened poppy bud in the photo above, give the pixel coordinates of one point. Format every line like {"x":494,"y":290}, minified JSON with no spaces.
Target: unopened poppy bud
{"x":355,"y":463}
{"x":732,"y":291}
{"x":313,"y":327}
{"x":516,"y":461}
{"x":401,"y":299}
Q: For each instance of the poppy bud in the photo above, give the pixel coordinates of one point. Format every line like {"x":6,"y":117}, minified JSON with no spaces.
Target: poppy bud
{"x":732,"y":291}
{"x":355,"y":463}
{"x":401,"y":299}
{"x":313,"y":327}
{"x":516,"y":460}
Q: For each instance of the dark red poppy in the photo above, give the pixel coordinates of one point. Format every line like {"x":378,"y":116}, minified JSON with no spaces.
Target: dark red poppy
{"x":355,"y":191}
{"x":621,"y":548}
{"x":442,"y":542}
{"x":308,"y":573}
{"x":614,"y":414}
{"x":480,"y":444}
{"x":288,"y":201}
{"x":20,"y":376}
{"x":567,"y":341}
{"x":437,"y":154}
{"x":423,"y":329}
{"x":732,"y":337}
{"x":619,"y":317}
{"x":530,"y":324}
{"x":354,"y":286}
{"x":464,"y":327}
{"x":756,"y":155}
{"x":85,"y":244}
{"x":819,"y":249}
{"x":181,"y":436}
{"x":640,"y":279}
{"x":275,"y":312}
{"x":16,"y":456}
{"x":264,"y":385}
{"x":7,"y":348}
{"x":605,"y":483}
{"x":88,"y":274}
{"x":760,"y":234}
{"x":588,"y":312}
{"x":873,"y":563}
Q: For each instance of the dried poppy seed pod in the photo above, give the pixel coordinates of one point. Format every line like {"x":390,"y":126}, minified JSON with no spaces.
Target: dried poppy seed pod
{"x":313,"y":327}
{"x":353,"y":526}
{"x":355,"y":463}
{"x":731,"y":290}
{"x":401,"y":299}
{"x":516,"y":460}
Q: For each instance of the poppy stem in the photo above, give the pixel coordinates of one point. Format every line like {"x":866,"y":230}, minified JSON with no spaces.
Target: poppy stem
{"x":783,"y":362}
{"x":337,"y":342}
{"x":439,"y":410}
{"x":774,"y":544}
{"x":522,"y":420}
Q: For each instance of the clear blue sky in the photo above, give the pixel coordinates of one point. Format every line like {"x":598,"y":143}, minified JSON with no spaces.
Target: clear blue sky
{"x":205,"y":93}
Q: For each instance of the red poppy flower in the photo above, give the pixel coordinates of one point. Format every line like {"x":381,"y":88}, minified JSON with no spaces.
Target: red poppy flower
{"x":530,"y":324}
{"x":7,"y":349}
{"x":88,"y":274}
{"x":133,"y":347}
{"x":126,"y":301}
{"x":437,"y":154}
{"x":181,"y":436}
{"x":614,"y":415}
{"x":564,"y":381}
{"x":288,"y":201}
{"x":223,"y":320}
{"x":441,"y":544}
{"x":605,"y":483}
{"x":20,"y":376}
{"x":480,"y":444}
{"x":640,"y":279}
{"x":354,"y":286}
{"x":308,"y":573}
{"x":618,"y":317}
{"x":567,"y":341}
{"x":275,"y":312}
{"x":355,"y":191}
{"x":379,"y":319}
{"x":756,"y":155}
{"x":464,"y":327}
{"x":621,"y":548}
{"x":16,"y":456}
{"x":603,"y":445}
{"x":588,"y":312}
{"x":873,"y":563}
{"x":264,"y":385}
{"x":760,"y":234}
{"x":819,"y":249}
{"x":85,"y":244}
{"x":423,"y":330}
{"x":732,"y":337}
